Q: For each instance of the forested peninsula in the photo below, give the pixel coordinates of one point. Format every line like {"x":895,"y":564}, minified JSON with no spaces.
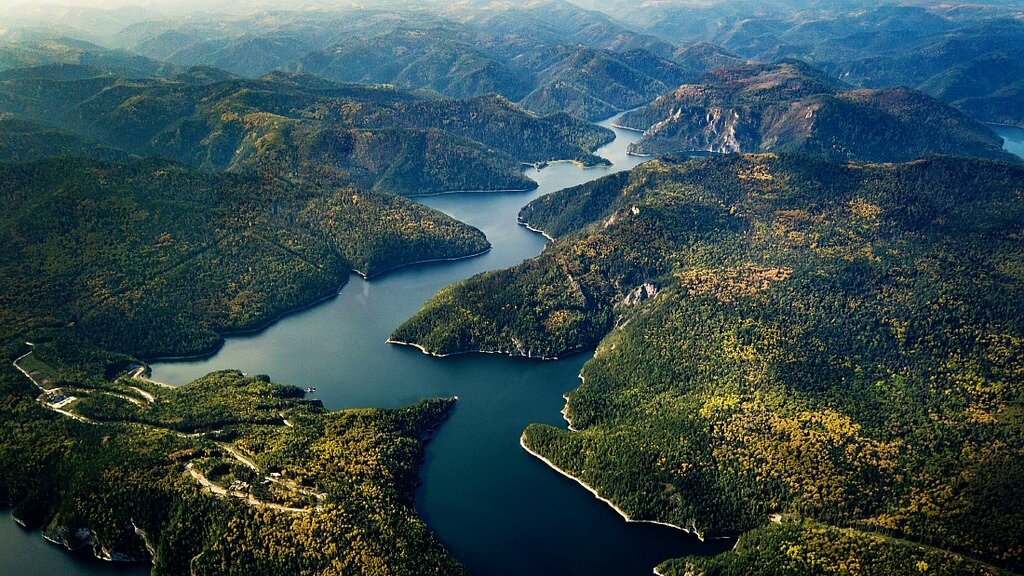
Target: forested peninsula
{"x":231,"y":474}
{"x":153,"y":258}
{"x":835,"y":346}
{"x":227,"y":475}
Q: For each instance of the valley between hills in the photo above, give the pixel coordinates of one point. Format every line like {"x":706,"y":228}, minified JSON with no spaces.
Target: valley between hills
{"x":784,"y":259}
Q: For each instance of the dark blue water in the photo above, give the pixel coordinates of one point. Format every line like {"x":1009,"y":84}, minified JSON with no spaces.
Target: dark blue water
{"x":500,"y":510}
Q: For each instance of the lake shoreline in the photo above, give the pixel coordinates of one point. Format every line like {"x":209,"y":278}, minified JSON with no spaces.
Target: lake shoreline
{"x":223,"y":336}
{"x":295,"y":310}
{"x":523,"y":223}
{"x":509,"y":353}
{"x":626,"y":517}
{"x":450,"y":192}
{"x":1001,"y":125}
{"x":472,"y":451}
{"x":419,"y":262}
{"x":621,"y":127}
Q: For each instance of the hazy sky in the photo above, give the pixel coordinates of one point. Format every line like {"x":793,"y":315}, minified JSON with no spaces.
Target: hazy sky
{"x":193,"y":5}
{"x":183,"y":5}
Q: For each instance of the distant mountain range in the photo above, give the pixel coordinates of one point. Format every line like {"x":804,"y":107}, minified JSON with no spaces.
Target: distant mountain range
{"x":968,"y":55}
{"x":64,"y":50}
{"x":549,"y":56}
{"x":297,"y":127}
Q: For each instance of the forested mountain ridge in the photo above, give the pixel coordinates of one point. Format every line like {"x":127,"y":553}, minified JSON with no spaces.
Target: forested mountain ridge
{"x":435,"y":58}
{"x":24,"y":140}
{"x":263,"y":481}
{"x":780,"y":335}
{"x":152,"y":258}
{"x":61,"y":51}
{"x":587,"y":82}
{"x":596,"y":84}
{"x":306,"y":129}
{"x":791,"y":107}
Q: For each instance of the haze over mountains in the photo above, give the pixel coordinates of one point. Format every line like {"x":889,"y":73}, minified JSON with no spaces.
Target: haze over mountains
{"x":968,"y":55}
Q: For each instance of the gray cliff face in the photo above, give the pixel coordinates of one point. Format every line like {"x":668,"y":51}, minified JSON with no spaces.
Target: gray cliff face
{"x":80,"y":538}
{"x":641,"y":293}
{"x":71,"y":538}
{"x":716,"y":129}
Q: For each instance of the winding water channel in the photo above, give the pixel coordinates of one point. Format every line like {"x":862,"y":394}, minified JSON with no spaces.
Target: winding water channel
{"x":501,"y":511}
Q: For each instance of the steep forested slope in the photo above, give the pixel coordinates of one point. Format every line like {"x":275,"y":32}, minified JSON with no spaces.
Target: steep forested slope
{"x":595,"y":84}
{"x":24,"y":140}
{"x":781,"y":335}
{"x":791,"y":107}
{"x":153,"y":258}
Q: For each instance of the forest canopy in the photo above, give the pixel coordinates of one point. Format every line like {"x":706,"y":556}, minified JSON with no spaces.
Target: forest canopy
{"x":779,"y":334}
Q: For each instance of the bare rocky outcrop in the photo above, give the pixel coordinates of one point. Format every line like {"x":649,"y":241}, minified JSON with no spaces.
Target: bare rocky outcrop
{"x":641,"y":293}
{"x":81,"y":538}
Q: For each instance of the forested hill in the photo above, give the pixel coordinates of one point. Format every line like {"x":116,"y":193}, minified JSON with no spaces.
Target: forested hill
{"x":25,"y":140}
{"x":154,"y":258}
{"x":791,"y":107}
{"x":263,"y":482}
{"x":304,"y":129}
{"x":785,"y":335}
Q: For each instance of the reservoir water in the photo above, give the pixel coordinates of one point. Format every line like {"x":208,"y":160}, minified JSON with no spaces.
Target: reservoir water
{"x":1013,"y":138}
{"x":501,"y":511}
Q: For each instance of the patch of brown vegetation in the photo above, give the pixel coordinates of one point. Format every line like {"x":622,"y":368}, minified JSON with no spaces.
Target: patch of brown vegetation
{"x":864,"y":209}
{"x":727,"y":284}
{"x":756,"y":172}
